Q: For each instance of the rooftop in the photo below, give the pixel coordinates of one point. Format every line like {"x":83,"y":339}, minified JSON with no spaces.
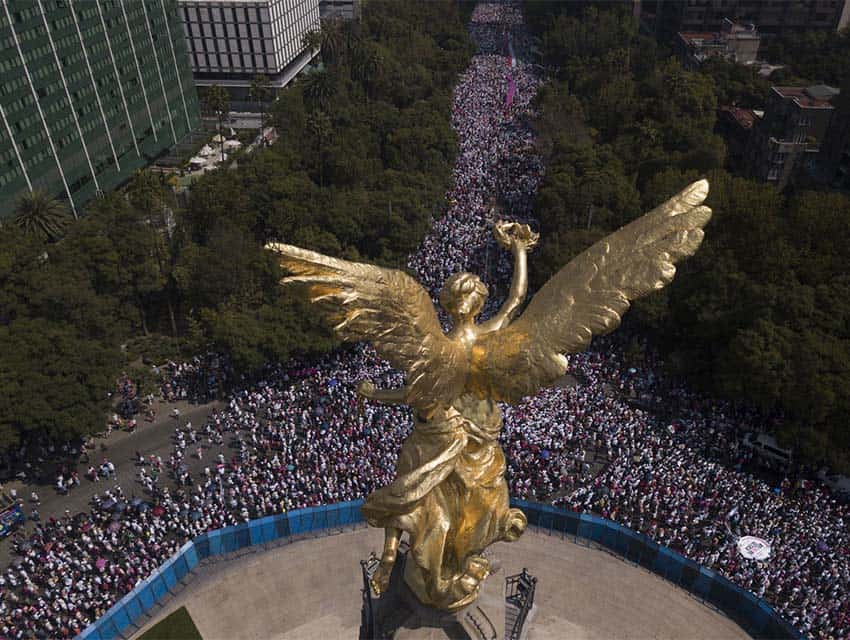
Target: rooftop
{"x":698,"y":38}
{"x":310,"y":590}
{"x":823,"y":91}
{"x":814,"y":97}
{"x":744,"y":118}
{"x":731,"y":30}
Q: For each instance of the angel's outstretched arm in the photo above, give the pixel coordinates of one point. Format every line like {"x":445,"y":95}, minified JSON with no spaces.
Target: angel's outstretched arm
{"x":390,"y":396}
{"x":588,"y":297}
{"x":519,"y":238}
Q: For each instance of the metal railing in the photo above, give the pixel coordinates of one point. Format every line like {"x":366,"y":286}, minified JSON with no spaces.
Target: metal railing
{"x":121,"y":620}
{"x":754,"y":615}
{"x":520,"y":593}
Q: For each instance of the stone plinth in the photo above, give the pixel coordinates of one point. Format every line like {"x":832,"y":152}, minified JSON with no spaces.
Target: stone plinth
{"x":399,"y":615}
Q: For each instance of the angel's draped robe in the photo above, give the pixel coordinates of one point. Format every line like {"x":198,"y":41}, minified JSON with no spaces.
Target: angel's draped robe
{"x":449,"y":495}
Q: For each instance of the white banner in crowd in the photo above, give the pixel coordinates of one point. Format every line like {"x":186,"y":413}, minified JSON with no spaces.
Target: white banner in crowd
{"x":754,"y":548}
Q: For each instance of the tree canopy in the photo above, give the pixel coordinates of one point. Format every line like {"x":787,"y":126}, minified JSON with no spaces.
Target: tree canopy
{"x":760,"y":314}
{"x":817,"y":56}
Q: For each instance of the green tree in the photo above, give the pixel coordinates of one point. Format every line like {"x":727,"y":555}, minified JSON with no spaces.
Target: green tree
{"x":137,"y":242}
{"x":53,"y":382}
{"x":737,"y":84}
{"x":760,"y":313}
{"x":156,"y":204}
{"x":321,"y":128}
{"x":366,"y":65}
{"x":217,"y":101}
{"x":138,"y":263}
{"x":816,"y":56}
{"x":312,"y":40}
{"x":41,"y":215}
{"x":319,"y":88}
{"x":589,"y":35}
{"x":260,"y":91}
{"x":333,"y":40}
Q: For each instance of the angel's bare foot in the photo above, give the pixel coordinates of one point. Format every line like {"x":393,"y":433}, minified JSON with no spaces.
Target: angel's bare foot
{"x":515,"y":524}
{"x":477,"y":568}
{"x":381,"y":578}
{"x":465,"y":588}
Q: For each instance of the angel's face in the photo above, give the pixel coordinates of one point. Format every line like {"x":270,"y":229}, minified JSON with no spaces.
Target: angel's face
{"x":467,"y":305}
{"x":463,"y":296}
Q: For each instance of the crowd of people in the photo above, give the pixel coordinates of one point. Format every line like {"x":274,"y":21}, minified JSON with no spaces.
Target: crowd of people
{"x":302,"y":436}
{"x":199,"y":380}
{"x":496,"y":172}
{"x":688,"y":485}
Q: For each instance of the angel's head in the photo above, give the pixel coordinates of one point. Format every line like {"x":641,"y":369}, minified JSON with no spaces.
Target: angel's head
{"x":463,"y":296}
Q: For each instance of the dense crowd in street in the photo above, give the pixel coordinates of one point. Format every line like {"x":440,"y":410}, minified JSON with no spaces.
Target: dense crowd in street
{"x":302,"y":436}
{"x":496,"y":171}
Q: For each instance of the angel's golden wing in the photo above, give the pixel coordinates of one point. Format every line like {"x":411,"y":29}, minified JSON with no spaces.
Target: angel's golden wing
{"x":389,"y":309}
{"x":588,"y":297}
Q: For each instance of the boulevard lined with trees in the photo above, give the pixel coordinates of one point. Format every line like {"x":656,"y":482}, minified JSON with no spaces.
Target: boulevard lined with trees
{"x":362,"y":166}
{"x":761,"y":313}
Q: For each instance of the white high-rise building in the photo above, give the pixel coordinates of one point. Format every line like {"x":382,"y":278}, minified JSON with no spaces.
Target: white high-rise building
{"x":342,"y":9}
{"x":231,"y":41}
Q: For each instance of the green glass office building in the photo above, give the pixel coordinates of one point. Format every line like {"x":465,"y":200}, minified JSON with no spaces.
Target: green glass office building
{"x":90,"y":92}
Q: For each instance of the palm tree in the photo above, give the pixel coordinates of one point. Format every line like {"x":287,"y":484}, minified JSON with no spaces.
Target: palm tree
{"x":320,"y":127}
{"x":312,"y":40}
{"x":42,"y":215}
{"x":333,"y":39}
{"x":366,"y":64}
{"x":260,"y":91}
{"x":351,"y":37}
{"x":218,"y":102}
{"x":319,"y":88}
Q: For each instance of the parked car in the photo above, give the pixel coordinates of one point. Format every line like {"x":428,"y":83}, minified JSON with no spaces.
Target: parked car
{"x":766,"y":446}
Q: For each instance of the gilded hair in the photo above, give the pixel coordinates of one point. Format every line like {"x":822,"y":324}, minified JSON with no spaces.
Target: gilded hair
{"x":458,"y":288}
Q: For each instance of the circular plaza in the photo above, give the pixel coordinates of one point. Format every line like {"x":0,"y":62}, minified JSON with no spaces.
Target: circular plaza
{"x":311,"y":588}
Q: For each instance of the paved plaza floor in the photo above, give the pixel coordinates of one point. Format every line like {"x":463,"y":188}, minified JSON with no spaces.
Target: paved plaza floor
{"x":310,"y":589}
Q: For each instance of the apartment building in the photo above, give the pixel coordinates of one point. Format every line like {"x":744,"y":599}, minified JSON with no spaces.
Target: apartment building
{"x":90,"y":92}
{"x":734,"y":42}
{"x":835,"y":150}
{"x":790,"y":134}
{"x":341,"y":9}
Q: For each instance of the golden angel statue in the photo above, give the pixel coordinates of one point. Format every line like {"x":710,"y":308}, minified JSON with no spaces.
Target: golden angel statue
{"x":450,"y":493}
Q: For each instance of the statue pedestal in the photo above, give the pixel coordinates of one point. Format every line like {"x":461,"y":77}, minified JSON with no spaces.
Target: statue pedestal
{"x":399,"y":615}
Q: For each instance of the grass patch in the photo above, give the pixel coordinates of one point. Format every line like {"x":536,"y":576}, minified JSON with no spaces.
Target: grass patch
{"x":177,"y":626}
